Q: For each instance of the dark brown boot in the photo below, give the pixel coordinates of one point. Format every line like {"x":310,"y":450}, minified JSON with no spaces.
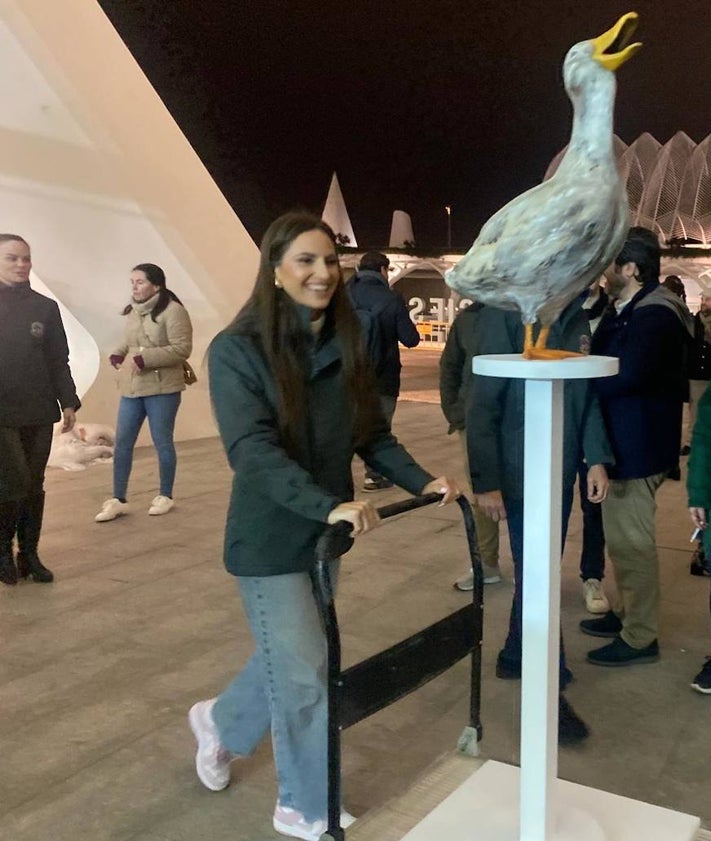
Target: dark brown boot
{"x":8,"y":521}
{"x":29,"y":526}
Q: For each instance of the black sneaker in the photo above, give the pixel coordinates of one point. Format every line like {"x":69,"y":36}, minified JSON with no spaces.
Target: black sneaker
{"x":699,"y":565}
{"x":571,"y":728}
{"x":702,"y":681}
{"x":380,"y":484}
{"x":608,"y":625}
{"x":619,"y":653}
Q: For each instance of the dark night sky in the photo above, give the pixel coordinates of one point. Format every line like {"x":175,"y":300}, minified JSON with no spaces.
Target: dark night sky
{"x":414,"y":104}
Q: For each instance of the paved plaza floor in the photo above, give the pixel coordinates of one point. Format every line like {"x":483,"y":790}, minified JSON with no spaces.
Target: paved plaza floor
{"x":99,"y":669}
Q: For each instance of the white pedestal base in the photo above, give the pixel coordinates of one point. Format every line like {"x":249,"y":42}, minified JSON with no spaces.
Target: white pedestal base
{"x":486,"y":808}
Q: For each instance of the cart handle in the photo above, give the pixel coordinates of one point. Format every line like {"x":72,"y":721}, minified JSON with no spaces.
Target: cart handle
{"x":336,"y":540}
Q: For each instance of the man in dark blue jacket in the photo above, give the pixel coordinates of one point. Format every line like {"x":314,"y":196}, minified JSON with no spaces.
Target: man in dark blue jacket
{"x":649,"y":329}
{"x":370,"y":291}
{"x":36,"y":390}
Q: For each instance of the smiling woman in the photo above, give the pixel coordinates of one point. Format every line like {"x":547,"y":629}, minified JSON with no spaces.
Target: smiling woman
{"x":309,"y":271}
{"x":294,"y":399}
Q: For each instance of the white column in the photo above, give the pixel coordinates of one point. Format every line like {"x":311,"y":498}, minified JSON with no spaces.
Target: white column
{"x":543,"y":498}
{"x":543,"y":494}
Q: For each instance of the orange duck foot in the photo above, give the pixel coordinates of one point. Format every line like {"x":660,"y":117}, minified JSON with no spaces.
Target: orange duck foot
{"x":546,"y":353}
{"x":539,"y":349}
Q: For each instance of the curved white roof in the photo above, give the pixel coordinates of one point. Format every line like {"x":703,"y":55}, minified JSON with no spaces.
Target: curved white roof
{"x":669,"y":186}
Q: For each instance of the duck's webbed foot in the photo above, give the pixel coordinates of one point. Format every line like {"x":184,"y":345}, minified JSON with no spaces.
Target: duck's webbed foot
{"x":539,"y":349}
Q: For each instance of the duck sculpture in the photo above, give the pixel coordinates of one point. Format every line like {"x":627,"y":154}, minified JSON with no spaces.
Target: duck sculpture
{"x":550,"y":243}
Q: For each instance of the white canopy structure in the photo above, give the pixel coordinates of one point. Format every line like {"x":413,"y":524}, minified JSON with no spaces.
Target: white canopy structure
{"x":336,"y":215}
{"x":401,"y":234}
{"x":94,"y":196}
{"x":669,"y":186}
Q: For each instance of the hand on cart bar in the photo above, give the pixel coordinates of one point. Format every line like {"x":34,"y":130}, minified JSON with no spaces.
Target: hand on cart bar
{"x":445,"y":486}
{"x":361,"y":513}
{"x":364,"y":516}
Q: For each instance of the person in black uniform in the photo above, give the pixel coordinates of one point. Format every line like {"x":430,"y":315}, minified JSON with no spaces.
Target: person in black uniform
{"x":35,"y":382}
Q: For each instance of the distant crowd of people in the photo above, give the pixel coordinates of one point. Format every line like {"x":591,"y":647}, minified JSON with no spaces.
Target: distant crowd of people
{"x":306,"y":376}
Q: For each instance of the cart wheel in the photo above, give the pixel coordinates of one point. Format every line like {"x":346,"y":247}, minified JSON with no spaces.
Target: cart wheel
{"x":469,"y":742}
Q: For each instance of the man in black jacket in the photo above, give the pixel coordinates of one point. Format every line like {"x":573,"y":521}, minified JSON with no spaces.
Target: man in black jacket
{"x":648,"y":328}
{"x":369,"y":290}
{"x":455,"y":379}
{"x":35,"y":382}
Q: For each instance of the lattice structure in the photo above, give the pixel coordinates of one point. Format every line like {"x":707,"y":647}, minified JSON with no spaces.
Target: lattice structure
{"x":669,"y":186}
{"x":637,"y":166}
{"x":693,"y":216}
{"x":660,"y":202}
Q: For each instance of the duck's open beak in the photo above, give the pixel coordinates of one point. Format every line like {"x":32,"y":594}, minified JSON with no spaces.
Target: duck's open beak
{"x":612,"y":48}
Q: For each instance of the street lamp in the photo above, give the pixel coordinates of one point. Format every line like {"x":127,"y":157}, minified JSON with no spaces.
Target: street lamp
{"x":448,"y":209}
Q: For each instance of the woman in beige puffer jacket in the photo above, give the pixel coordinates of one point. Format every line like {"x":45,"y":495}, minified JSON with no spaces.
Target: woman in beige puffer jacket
{"x":151,"y":378}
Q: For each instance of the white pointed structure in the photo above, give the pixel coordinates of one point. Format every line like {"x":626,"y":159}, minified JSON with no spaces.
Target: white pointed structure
{"x":94,"y":195}
{"x":401,"y":235}
{"x":336,"y":215}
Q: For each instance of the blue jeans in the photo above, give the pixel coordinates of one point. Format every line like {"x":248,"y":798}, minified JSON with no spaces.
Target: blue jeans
{"x":161,"y":410}
{"x":514,"y":518}
{"x":284,"y":688}
{"x":592,"y":558}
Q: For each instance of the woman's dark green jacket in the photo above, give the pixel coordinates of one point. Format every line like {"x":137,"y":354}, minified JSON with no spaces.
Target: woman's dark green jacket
{"x":279,"y":505}
{"x":698,"y":482}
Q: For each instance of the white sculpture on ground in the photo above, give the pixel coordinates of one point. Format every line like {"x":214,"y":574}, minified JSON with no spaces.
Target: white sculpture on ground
{"x":87,"y":443}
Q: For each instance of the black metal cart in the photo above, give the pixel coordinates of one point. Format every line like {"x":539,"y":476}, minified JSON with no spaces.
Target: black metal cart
{"x":373,"y":684}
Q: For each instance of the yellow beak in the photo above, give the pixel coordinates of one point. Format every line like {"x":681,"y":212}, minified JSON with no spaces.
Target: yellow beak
{"x":612,"y":48}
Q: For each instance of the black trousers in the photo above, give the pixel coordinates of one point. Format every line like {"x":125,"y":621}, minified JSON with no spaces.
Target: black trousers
{"x":24,"y":451}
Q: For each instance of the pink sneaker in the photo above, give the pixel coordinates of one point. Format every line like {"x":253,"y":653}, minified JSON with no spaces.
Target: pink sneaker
{"x":212,"y":761}
{"x":290,"y":822}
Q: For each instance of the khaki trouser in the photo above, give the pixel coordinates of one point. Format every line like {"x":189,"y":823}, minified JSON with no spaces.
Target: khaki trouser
{"x":628,"y":516}
{"x":487,"y":531}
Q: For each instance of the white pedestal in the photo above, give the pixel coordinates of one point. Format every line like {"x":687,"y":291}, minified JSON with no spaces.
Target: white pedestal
{"x":499,"y":803}
{"x":543,"y":494}
{"x":485,"y":808}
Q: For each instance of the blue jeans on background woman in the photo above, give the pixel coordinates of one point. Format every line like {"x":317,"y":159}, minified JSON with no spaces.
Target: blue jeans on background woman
{"x":161,"y":410}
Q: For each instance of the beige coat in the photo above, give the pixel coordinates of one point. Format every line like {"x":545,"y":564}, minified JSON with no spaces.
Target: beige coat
{"x":164,"y":345}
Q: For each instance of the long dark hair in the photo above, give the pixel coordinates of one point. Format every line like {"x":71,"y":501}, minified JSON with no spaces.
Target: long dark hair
{"x":285,"y":343}
{"x":156,"y":276}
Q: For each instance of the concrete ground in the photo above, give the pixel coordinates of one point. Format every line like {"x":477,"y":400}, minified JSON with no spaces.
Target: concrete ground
{"x":99,"y":669}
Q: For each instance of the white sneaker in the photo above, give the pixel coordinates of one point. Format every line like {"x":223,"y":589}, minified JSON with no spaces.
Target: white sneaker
{"x":212,"y":761}
{"x":110,"y":510}
{"x":160,"y":505}
{"x":290,"y":822}
{"x":595,"y":598}
{"x":492,"y":575}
